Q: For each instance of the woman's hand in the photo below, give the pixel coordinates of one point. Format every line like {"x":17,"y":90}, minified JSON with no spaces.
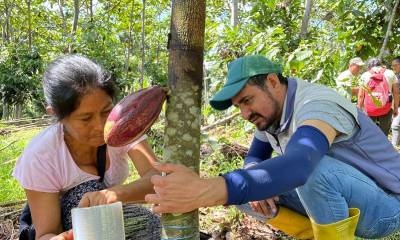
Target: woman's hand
{"x":68,"y":235}
{"x":102,"y":197}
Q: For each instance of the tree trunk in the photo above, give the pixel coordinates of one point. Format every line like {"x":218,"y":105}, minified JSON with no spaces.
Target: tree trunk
{"x":157,"y":57}
{"x":159,"y":32}
{"x":91,"y":10}
{"x":234,"y":12}
{"x":7,"y":23}
{"x":76,"y":17}
{"x":183,"y":114}
{"x":143,"y":35}
{"x":61,"y":8}
{"x":12,"y":111}
{"x":5,"y":110}
{"x":64,"y":30}
{"x":306,"y":20}
{"x":18,"y":110}
{"x":129,"y":43}
{"x":3,"y":32}
{"x":389,"y":29}
{"x":75,"y":23}
{"x":28,"y":2}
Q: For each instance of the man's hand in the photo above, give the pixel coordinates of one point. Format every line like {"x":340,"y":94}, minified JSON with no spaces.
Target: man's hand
{"x":68,"y":235}
{"x":98,"y":198}
{"x":182,"y":190}
{"x":266,"y":207}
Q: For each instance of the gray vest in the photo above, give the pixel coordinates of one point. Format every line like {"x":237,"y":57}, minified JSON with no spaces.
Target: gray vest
{"x":368,"y":149}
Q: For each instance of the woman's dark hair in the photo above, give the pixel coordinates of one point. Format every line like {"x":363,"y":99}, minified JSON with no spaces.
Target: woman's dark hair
{"x":259,"y":80}
{"x":70,"y":77}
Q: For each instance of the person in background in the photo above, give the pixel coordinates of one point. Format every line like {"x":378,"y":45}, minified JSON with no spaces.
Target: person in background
{"x":378,"y":94}
{"x":347,"y":81}
{"x":396,"y":120}
{"x":69,"y":163}
{"x":334,"y":167}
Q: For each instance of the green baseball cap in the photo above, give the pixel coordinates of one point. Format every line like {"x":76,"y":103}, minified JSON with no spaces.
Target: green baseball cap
{"x":239,"y":72}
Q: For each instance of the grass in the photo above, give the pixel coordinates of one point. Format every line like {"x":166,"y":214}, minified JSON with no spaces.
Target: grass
{"x":11,"y":146}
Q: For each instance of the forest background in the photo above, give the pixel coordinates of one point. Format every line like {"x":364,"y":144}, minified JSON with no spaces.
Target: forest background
{"x":129,"y":37}
{"x":311,"y":39}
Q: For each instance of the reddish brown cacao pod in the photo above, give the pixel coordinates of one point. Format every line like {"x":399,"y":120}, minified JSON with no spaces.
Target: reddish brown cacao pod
{"x":133,"y":116}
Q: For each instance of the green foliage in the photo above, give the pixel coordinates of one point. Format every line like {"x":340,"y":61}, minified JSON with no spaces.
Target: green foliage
{"x":19,"y":74}
{"x":112,"y":36}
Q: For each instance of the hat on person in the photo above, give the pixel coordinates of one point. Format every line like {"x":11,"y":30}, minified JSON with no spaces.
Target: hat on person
{"x":357,"y":61}
{"x":239,"y":72}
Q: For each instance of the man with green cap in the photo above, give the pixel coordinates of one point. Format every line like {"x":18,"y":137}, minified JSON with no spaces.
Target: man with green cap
{"x":334,"y":165}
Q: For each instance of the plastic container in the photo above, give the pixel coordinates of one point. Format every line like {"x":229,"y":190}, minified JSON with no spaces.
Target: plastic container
{"x":104,"y":222}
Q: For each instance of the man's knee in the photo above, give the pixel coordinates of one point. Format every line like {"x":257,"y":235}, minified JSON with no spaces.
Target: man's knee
{"x":323,"y":177}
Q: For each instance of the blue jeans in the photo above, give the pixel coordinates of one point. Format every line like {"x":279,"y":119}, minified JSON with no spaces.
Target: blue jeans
{"x":332,"y":189}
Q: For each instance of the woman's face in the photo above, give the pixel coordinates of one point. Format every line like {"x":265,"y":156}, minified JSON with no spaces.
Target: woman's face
{"x":85,"y":125}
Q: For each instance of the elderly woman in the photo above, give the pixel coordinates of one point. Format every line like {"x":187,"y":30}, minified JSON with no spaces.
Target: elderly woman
{"x":69,"y":161}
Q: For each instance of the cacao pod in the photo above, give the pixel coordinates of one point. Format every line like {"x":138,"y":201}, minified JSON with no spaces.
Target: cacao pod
{"x":133,"y":116}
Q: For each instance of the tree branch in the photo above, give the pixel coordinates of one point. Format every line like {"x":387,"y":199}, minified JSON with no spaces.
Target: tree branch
{"x":218,"y":123}
{"x":389,"y":30}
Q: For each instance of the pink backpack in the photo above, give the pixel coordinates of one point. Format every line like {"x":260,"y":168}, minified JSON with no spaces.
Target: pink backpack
{"x":378,"y":87}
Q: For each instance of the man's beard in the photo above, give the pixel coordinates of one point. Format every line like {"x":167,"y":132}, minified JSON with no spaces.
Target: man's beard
{"x":268,"y":122}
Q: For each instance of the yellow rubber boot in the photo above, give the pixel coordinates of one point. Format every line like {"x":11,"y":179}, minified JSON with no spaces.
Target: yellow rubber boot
{"x":342,"y":230}
{"x":292,"y":223}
